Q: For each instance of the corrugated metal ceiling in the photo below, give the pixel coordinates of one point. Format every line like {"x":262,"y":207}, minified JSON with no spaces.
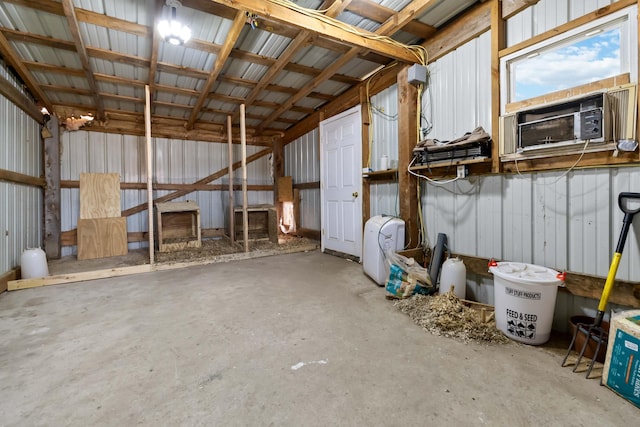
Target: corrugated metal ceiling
{"x":258,"y":67}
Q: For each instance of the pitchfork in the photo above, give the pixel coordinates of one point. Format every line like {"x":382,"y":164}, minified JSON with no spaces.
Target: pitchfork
{"x":595,"y":331}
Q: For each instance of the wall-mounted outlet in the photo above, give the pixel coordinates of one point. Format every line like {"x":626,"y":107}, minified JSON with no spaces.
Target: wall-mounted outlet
{"x":462,"y":171}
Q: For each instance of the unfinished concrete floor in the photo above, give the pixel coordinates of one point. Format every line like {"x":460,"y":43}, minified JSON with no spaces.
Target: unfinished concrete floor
{"x":299,"y":339}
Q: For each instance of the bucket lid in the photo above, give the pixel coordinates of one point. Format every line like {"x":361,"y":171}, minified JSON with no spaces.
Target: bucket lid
{"x":526,"y":273}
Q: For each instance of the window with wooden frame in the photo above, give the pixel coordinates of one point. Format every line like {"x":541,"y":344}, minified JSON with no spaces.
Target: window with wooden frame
{"x":572,"y":92}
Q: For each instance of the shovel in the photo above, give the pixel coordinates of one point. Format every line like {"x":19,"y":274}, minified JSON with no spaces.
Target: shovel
{"x":595,"y":331}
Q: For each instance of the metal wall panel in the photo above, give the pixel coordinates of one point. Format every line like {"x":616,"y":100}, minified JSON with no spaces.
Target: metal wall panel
{"x":302,"y":163}
{"x":175,"y":162}
{"x":21,"y":206}
{"x":458,"y":96}
{"x":384,"y":128}
{"x":567,"y":221}
{"x":546,"y":15}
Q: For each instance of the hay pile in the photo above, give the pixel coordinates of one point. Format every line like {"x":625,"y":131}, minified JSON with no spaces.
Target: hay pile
{"x":447,"y":316}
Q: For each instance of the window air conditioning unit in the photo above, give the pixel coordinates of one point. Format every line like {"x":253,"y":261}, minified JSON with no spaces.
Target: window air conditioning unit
{"x":600,"y":117}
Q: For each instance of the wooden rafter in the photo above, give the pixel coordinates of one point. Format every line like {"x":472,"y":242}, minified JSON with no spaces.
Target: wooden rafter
{"x":304,"y":22}
{"x":239,"y":22}
{"x":389,"y":27}
{"x":10,"y":56}
{"x":48,"y":68}
{"x":302,"y":39}
{"x":14,"y":95}
{"x":37,"y":39}
{"x":74,"y":27}
{"x":261,"y":91}
{"x":379,"y":13}
{"x":155,"y":46}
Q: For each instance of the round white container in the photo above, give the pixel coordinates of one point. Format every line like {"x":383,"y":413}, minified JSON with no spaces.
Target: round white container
{"x":525,"y":300}
{"x":453,"y":275}
{"x":384,"y":162}
{"x":33,"y":264}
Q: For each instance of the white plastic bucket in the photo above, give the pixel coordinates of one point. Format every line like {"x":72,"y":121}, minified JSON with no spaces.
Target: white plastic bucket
{"x":525,"y":300}
{"x":33,"y":264}
{"x":454,"y":275}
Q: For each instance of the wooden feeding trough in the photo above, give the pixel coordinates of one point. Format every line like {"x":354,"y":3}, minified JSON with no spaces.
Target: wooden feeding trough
{"x":178,"y":226}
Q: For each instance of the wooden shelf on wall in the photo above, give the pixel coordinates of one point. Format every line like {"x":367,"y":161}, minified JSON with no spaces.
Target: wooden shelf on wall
{"x":566,"y":160}
{"x":448,"y":168}
{"x":390,"y":175}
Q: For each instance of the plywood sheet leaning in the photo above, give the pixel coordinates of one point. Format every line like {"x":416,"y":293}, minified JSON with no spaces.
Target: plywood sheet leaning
{"x":99,"y":195}
{"x":102,"y":237}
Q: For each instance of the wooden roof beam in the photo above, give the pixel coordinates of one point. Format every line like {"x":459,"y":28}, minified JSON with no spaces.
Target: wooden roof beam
{"x":7,"y":52}
{"x":232,"y":35}
{"x":155,"y":46}
{"x":335,"y":8}
{"x":74,"y":27}
{"x":389,"y":27}
{"x":379,"y":13}
{"x":304,"y":22}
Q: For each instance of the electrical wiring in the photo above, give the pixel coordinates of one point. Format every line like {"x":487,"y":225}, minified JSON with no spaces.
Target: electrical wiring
{"x":420,"y":52}
{"x":584,"y":149}
{"x":380,"y":111}
{"x":369,"y":108}
{"x":426,"y":178}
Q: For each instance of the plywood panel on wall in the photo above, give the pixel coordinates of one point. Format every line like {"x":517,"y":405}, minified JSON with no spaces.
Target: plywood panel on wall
{"x":99,"y":195}
{"x":285,"y":189}
{"x":102,"y":237}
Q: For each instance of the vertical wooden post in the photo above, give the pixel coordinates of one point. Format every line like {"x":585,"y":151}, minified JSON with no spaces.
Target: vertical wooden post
{"x":232,"y":214}
{"x":296,"y":209}
{"x":407,"y":139}
{"x":52,"y":225}
{"x":245,"y":213}
{"x":147,"y":131}
{"x":497,"y":43}
{"x":278,"y":172}
{"x":366,"y":128}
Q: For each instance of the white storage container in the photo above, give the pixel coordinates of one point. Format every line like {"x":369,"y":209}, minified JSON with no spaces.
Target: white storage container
{"x":380,"y":234}
{"x":525,"y":300}
{"x":33,"y":264}
{"x":453,"y":275}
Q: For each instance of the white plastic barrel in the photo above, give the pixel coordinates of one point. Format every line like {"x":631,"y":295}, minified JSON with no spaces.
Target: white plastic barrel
{"x":525,"y":300}
{"x":453,"y":275}
{"x":33,"y":263}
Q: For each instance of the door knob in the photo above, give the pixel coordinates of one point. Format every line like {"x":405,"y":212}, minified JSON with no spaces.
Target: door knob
{"x":354,"y":194}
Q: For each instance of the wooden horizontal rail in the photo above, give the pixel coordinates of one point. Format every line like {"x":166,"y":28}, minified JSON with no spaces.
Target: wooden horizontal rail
{"x":14,"y":285}
{"x":624,"y":292}
{"x":307,"y":185}
{"x":70,"y":237}
{"x":20,"y":178}
{"x":174,"y":187}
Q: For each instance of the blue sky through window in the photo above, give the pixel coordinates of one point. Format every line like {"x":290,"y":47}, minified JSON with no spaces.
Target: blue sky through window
{"x":587,"y":60}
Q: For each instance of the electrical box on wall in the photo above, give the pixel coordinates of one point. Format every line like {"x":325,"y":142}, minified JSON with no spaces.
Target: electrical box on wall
{"x":417,"y":74}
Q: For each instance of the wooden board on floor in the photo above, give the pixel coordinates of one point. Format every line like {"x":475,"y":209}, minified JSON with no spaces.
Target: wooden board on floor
{"x":7,"y":277}
{"x":99,"y":195}
{"x":102,"y":237}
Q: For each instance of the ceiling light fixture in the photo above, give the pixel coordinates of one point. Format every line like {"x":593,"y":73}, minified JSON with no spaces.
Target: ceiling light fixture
{"x":172,"y":31}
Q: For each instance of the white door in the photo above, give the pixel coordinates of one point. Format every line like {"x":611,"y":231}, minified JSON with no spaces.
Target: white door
{"x":341,"y":182}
